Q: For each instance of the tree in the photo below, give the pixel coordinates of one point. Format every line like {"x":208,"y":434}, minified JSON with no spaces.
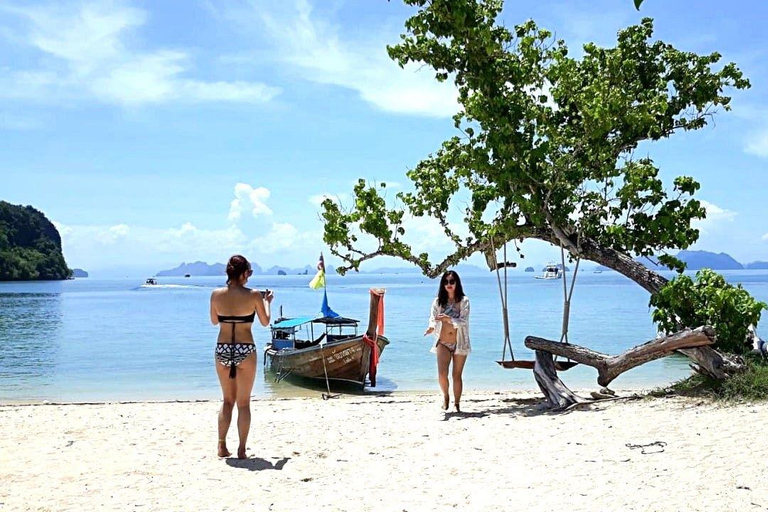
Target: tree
{"x":546,"y":144}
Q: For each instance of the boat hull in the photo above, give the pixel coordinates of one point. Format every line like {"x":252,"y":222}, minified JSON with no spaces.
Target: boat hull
{"x":345,"y":360}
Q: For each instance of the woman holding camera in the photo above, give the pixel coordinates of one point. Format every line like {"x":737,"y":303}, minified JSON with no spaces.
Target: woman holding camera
{"x":234,"y":309}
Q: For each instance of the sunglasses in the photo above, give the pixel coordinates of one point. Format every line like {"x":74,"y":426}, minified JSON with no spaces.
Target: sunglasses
{"x":249,"y":272}
{"x":450,"y":282}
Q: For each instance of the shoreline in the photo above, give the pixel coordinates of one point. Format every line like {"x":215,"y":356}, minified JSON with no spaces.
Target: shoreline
{"x":387,"y":452}
{"x":316,"y":394}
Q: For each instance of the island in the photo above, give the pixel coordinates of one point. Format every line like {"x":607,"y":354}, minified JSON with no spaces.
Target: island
{"x":30,"y":246}
{"x":530,"y":269}
{"x":78,"y":272}
{"x":696,"y":260}
{"x":198,"y":268}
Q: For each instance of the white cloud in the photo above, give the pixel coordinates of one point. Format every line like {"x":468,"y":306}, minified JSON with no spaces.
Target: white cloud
{"x":715,"y":217}
{"x":757,"y":144}
{"x":319,"y":53}
{"x":765,"y":236}
{"x":104,"y":247}
{"x":284,"y":236}
{"x":247,"y":197}
{"x":62,"y":229}
{"x":85,"y":51}
{"x":120,"y":245}
{"x":91,"y":246}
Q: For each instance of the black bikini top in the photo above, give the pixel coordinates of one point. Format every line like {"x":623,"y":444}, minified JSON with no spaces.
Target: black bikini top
{"x":246,"y":319}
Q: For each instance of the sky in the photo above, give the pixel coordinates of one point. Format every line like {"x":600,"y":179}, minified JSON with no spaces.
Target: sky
{"x":154,"y":133}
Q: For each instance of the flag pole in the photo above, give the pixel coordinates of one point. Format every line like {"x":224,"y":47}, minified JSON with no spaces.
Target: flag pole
{"x":328,"y":395}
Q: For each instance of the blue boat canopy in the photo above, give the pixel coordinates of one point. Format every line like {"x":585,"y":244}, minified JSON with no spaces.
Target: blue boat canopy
{"x":288,"y":323}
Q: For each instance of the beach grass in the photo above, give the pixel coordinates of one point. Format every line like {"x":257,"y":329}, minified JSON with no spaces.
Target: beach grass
{"x":750,"y":385}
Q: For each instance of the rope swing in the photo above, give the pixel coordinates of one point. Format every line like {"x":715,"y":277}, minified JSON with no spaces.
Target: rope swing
{"x":503,"y":293}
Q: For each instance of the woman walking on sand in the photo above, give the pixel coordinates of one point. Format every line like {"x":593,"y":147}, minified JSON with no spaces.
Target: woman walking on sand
{"x":234,"y":308}
{"x":449,"y":323}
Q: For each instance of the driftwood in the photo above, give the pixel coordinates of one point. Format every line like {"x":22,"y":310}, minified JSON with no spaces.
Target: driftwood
{"x":609,"y":367}
{"x":755,"y":343}
{"x":558,"y":395}
{"x":712,"y":363}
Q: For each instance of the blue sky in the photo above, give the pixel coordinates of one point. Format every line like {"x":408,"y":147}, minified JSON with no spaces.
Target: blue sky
{"x":159,"y":132}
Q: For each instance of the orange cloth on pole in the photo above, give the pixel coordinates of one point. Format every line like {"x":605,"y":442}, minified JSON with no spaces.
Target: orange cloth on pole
{"x":374,"y":357}
{"x":380,"y":318}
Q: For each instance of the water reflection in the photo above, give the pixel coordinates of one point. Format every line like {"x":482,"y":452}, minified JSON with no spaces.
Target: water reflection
{"x":30,"y":325}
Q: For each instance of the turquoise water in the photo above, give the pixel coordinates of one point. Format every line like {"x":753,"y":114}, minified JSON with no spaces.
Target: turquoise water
{"x":91,"y":339}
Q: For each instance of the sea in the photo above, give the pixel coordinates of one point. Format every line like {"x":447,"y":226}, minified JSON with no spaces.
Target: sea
{"x":88,"y":339}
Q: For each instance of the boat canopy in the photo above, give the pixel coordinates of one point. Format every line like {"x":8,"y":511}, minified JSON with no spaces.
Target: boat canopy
{"x":337,"y":320}
{"x":288,"y":323}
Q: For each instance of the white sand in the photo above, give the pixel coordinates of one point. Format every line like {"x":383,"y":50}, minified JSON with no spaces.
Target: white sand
{"x":389,"y":453}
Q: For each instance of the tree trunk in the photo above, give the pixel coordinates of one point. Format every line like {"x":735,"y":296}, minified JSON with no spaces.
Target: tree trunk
{"x":613,"y":259}
{"x":712,"y":363}
{"x":620,"y":262}
{"x":558,"y":395}
{"x":610,"y":367}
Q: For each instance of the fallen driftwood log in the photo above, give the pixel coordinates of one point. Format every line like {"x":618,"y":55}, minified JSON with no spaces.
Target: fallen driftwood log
{"x":693,"y":343}
{"x":712,"y":363}
{"x":758,"y":346}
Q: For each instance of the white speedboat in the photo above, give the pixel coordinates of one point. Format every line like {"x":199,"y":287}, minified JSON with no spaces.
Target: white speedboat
{"x":150,"y":281}
{"x":551,"y":271}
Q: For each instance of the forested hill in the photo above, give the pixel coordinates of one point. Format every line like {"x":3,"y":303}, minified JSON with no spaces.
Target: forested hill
{"x":30,"y":245}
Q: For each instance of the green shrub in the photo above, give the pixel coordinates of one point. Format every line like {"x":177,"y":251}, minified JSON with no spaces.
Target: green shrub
{"x":751,"y":384}
{"x":709,"y":300}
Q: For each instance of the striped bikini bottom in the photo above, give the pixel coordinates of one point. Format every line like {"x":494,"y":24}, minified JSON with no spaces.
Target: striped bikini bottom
{"x":232,"y":354}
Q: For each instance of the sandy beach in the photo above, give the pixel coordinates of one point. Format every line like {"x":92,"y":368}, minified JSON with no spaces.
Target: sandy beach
{"x":387,"y":452}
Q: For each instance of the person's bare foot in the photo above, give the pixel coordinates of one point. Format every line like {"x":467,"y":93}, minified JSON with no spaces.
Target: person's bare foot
{"x":223,"y":452}
{"x":241,"y":453}
{"x":445,"y":403}
{"x":456,"y":405}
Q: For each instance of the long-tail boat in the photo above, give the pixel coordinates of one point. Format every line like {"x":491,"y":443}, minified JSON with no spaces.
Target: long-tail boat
{"x":328,"y":346}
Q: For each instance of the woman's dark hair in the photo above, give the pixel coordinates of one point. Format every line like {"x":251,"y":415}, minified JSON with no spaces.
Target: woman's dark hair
{"x":442,"y":293}
{"x":236,"y":267}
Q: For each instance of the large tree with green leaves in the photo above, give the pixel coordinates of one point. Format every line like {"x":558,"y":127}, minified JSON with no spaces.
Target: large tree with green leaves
{"x":545,"y":144}
{"x":30,"y":245}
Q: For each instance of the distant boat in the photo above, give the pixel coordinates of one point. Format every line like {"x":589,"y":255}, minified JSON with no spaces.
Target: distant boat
{"x":337,"y":350}
{"x":187,"y":275}
{"x":598,"y":271}
{"x":551,"y":271}
{"x":150,"y":281}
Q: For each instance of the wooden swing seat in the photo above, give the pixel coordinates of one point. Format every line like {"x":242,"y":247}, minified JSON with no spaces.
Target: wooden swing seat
{"x":560,"y":366}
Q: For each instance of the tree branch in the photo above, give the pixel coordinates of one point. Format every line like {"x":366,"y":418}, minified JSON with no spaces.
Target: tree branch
{"x":610,"y":367}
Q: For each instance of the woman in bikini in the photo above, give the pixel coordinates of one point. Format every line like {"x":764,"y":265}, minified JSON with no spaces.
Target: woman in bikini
{"x":234,"y":308}
{"x":449,"y":323}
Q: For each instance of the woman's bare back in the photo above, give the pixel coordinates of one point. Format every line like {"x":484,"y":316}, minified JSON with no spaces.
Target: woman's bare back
{"x":235,"y":301}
